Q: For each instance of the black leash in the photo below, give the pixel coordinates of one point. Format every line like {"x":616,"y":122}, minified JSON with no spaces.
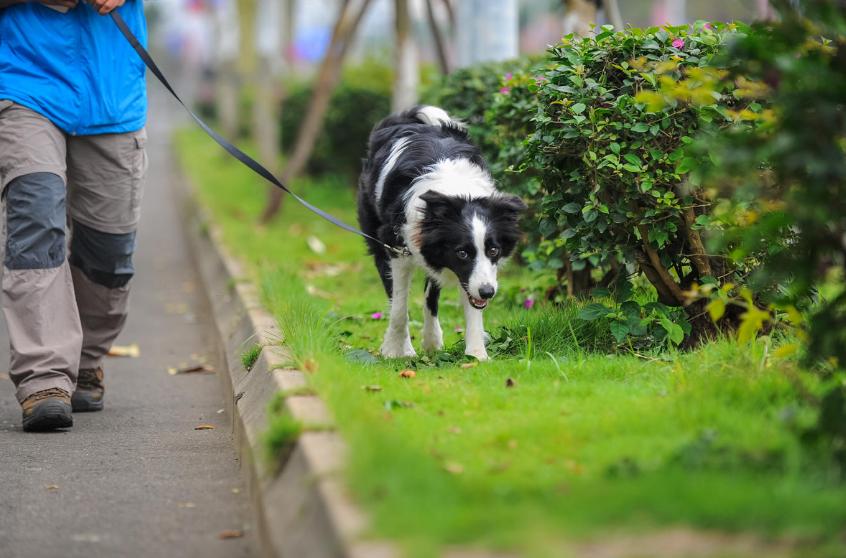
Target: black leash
{"x":254,"y":165}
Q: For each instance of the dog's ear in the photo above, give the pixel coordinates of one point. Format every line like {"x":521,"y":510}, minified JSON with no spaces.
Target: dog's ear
{"x":507,"y":206}
{"x":439,"y":206}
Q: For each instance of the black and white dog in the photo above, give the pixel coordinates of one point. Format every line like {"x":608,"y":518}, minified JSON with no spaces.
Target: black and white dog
{"x":424,"y":186}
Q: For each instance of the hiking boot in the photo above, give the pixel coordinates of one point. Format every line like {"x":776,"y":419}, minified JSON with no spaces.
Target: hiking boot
{"x":89,"y":391}
{"x":47,"y":410}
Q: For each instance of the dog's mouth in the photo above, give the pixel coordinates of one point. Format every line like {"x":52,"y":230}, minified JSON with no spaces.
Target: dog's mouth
{"x":477,"y":303}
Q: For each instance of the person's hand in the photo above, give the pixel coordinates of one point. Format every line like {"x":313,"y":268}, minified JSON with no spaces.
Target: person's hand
{"x":69,"y":4}
{"x":103,"y":7}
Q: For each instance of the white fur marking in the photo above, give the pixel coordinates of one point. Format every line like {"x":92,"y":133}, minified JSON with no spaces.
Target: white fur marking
{"x":484,"y":270}
{"x":397,"y":342}
{"x":436,"y":116}
{"x":396,"y":151}
{"x":474,"y":329}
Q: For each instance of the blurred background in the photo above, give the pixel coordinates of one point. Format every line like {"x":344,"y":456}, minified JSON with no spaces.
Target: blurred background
{"x":279,"y":72}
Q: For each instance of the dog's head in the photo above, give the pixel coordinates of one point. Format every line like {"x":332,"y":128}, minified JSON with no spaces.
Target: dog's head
{"x":470,"y":237}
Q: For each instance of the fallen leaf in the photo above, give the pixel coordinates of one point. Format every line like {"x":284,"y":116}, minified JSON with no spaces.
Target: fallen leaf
{"x":316,"y":245}
{"x":220,"y":411}
{"x":454,"y":430}
{"x":310,"y":365}
{"x":52,"y":487}
{"x":467,"y":365}
{"x":131,"y":351}
{"x":407,"y":374}
{"x":4,"y":376}
{"x":510,"y":383}
{"x":373,"y":387}
{"x":186,"y":505}
{"x":453,"y":468}
{"x":191,"y":369}
{"x":230,"y":534}
{"x":205,"y":427}
{"x":236,"y":491}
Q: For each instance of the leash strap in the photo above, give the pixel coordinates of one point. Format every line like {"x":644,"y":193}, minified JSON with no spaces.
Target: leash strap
{"x":254,"y":165}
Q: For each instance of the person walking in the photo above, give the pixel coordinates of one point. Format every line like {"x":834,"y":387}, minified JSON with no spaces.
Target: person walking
{"x":73,"y":108}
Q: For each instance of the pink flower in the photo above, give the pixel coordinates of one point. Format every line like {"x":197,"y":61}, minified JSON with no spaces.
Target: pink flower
{"x":539,"y":80}
{"x":376,"y":316}
{"x":505,"y":90}
{"x":508,"y":76}
{"x":529,"y":303}
{"x":678,"y":43}
{"x":708,"y":26}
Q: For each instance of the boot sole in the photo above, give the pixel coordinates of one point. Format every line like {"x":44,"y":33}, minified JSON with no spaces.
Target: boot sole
{"x":81,"y":404}
{"x":50,"y":415}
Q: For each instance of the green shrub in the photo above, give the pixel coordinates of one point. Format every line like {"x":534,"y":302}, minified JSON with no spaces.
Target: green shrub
{"x":788,"y":174}
{"x":469,"y":93}
{"x":362,"y":98}
{"x":615,"y":168}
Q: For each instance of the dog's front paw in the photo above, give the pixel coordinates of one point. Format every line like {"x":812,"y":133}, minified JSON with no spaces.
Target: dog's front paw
{"x":433,"y":339}
{"x":401,"y":348}
{"x":478,"y":352}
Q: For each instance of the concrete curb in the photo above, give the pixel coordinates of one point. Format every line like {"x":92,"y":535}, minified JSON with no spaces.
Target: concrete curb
{"x":300,"y":506}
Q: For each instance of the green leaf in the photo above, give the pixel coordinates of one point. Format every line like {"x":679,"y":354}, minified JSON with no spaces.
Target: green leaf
{"x":619,"y":330}
{"x":593,"y":312}
{"x":578,"y":108}
{"x":716,"y":308}
{"x":674,"y":331}
{"x":571,"y":207}
{"x":632,"y":168}
{"x":632,"y":158}
{"x":640,"y":128}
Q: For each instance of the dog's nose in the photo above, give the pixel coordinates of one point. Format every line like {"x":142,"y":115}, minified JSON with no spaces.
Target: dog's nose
{"x":487,"y":291}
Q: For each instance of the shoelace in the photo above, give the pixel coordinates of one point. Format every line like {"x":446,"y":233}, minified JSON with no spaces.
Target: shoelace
{"x":47,"y":393}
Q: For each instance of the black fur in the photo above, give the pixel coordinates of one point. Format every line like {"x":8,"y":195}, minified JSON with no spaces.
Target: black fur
{"x":445,"y":225}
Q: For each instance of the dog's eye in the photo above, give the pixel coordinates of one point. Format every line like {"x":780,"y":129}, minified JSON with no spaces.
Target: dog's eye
{"x":462,"y":254}
{"x":493,"y":252}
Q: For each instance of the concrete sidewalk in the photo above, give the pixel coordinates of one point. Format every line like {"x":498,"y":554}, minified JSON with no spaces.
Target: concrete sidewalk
{"x":136,"y":479}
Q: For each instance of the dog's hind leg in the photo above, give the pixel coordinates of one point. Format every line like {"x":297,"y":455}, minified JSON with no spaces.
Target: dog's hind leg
{"x":433,"y":336}
{"x":474,"y":330}
{"x":397,"y":341}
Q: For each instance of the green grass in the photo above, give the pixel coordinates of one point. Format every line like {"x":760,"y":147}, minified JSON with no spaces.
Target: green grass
{"x":582,"y":444}
{"x":250,"y":356}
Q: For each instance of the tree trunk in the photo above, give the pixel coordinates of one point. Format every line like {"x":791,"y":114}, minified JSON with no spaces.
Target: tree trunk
{"x":612,"y":12}
{"x":225,"y":25}
{"x":266,"y":106}
{"x":405,"y":59}
{"x":676,"y":11}
{"x":486,"y":31}
{"x":349,"y":17}
{"x":579,"y":15}
{"x":438,"y":38}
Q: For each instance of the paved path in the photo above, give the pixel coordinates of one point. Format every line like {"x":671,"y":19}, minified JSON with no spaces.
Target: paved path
{"x":135,"y":479}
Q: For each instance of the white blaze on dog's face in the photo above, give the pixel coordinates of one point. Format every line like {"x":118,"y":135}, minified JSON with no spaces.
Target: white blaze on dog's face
{"x":481,"y":285}
{"x":469,"y":237}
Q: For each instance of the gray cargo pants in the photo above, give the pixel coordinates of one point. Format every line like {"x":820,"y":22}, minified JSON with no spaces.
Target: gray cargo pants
{"x":63,"y":311}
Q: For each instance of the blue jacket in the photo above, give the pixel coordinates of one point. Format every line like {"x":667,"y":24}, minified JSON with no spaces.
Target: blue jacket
{"x":74,"y":68}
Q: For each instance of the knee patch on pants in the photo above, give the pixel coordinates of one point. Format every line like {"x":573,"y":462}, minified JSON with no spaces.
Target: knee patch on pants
{"x":106,"y":259}
{"x":35,"y":221}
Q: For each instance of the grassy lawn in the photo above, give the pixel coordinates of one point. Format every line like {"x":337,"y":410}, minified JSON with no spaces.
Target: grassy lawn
{"x":557,"y":439}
